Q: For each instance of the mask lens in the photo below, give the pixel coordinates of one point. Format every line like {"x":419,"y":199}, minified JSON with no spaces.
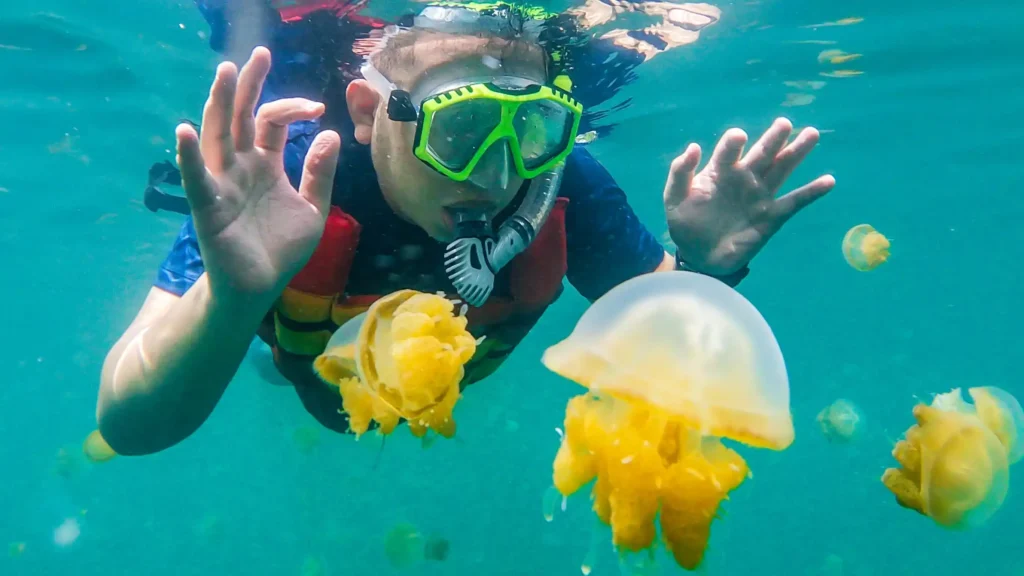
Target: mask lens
{"x":543,"y":129}
{"x":458,"y":131}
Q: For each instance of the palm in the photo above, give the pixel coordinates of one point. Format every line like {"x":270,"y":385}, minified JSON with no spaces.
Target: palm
{"x":255,"y":230}
{"x":721,"y":217}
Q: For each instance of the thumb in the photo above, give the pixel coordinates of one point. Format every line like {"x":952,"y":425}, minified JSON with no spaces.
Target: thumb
{"x":680,"y":175}
{"x":318,"y":171}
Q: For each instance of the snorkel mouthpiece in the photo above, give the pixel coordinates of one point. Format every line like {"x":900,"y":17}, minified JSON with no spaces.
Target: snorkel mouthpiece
{"x":467,"y":258}
{"x":474,"y":257}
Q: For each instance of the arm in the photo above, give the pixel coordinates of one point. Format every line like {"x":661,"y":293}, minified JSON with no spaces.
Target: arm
{"x":164,"y":376}
{"x":606,"y":242}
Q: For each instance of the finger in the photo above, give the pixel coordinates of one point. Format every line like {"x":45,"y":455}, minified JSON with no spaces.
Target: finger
{"x":215,"y":133}
{"x":250,"y":83}
{"x":729,"y":149}
{"x":680,"y":175}
{"x":791,"y":157}
{"x":763,"y":153}
{"x":798,"y":199}
{"x":194,"y":178}
{"x":318,"y":171}
{"x":273,"y":119}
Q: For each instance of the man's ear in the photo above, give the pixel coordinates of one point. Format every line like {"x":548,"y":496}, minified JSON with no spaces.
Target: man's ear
{"x":362,"y":107}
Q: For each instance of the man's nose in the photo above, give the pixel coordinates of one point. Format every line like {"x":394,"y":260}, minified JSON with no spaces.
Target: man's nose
{"x":493,"y":170}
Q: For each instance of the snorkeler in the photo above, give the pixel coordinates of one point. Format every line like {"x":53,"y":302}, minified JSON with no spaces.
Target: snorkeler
{"x":446,"y":164}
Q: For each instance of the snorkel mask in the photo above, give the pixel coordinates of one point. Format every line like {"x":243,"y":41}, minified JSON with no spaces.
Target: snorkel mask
{"x":459,"y":123}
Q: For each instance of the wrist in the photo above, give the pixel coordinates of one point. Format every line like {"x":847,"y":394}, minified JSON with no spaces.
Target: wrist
{"x":731,"y":279}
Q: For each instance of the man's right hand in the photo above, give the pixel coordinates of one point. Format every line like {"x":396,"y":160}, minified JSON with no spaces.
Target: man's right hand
{"x":255,"y":230}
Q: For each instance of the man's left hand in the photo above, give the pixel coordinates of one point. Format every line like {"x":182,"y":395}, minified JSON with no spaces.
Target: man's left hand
{"x":721,"y":217}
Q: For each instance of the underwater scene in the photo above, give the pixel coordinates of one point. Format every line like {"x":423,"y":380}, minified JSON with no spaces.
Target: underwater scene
{"x":599,"y":287}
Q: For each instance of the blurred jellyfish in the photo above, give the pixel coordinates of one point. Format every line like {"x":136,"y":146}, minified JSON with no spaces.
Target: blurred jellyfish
{"x":16,"y":549}
{"x":954,"y":463}
{"x":96,"y":448}
{"x":66,"y":463}
{"x":840,"y":421}
{"x":306,"y":438}
{"x":673,"y":362}
{"x":67,"y":533}
{"x":436,"y":548}
{"x":865,"y":248}
{"x":312,"y":566}
{"x":406,"y":547}
{"x":833,"y":565}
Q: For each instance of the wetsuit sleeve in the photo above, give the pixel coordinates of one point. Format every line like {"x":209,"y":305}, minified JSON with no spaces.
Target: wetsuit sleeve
{"x":605,"y":240}
{"x":183,"y":265}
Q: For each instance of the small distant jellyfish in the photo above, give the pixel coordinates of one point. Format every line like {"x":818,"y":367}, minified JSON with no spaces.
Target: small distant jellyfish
{"x":840,"y":421}
{"x":16,"y":549}
{"x":586,"y":137}
{"x":865,"y":248}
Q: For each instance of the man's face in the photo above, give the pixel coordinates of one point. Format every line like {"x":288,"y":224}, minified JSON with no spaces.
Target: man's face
{"x":414,"y":190}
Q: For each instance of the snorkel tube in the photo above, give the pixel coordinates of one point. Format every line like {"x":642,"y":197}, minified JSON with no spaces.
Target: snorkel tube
{"x":475,"y":256}
{"x":472,"y":260}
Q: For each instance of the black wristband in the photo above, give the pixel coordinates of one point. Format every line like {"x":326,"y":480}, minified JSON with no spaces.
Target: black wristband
{"x":731,"y":280}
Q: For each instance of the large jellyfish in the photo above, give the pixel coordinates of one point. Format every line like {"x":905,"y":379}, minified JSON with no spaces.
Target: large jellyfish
{"x":673,"y":362}
{"x":954,"y":463}
{"x":402,"y":359}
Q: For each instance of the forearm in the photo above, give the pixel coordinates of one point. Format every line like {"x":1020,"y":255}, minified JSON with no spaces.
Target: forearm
{"x":164,"y":377}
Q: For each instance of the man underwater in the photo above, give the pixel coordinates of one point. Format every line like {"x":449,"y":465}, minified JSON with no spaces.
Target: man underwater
{"x":458,"y":174}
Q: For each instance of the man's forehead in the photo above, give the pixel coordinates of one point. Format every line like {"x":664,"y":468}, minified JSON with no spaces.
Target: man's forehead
{"x":433,"y":52}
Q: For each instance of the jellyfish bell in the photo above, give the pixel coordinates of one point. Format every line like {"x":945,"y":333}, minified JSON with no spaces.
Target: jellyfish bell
{"x":953,"y":466}
{"x":964,"y":471}
{"x":1002,"y":414}
{"x":689,"y":345}
{"x":840,"y":421}
{"x":865,"y":248}
{"x":403,"y":358}
{"x":672,"y":362}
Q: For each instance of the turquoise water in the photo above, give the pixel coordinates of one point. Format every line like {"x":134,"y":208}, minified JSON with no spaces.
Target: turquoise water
{"x":924,"y":146}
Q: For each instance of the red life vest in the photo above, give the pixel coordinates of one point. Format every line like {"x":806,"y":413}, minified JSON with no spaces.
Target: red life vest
{"x":315,"y":302}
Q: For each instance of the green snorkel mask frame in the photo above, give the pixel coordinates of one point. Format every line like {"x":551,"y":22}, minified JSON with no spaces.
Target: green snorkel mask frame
{"x":522,"y":125}
{"x":539,"y":122}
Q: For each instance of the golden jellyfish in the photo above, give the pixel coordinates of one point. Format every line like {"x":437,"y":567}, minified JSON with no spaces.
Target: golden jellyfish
{"x":865,"y":248}
{"x":402,"y":359}
{"x":840,"y":421}
{"x":96,"y":448}
{"x":954,"y":463}
{"x":673,"y":362}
